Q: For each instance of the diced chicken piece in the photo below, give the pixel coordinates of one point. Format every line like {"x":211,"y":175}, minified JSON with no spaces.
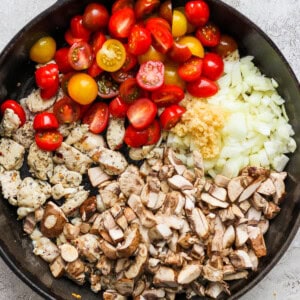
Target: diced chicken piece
{"x":74,"y":201}
{"x":131,"y":182}
{"x":11,"y":154}
{"x":97,"y":176}
{"x":25,"y":135}
{"x":73,"y":158}
{"x":76,"y":271}
{"x":46,"y":249}
{"x":66,"y":128}
{"x":10,"y":183}
{"x":58,"y":191}
{"x":40,"y":162}
{"x":65,"y":177}
{"x":10,"y":123}
{"x":36,"y":103}
{"x":89,"y":143}
{"x":112,"y":162}
{"x":115,"y":133}
{"x":77,"y":134}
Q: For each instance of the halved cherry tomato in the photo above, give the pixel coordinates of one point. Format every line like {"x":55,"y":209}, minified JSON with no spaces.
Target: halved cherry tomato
{"x":151,"y":75}
{"x":96,"y":117}
{"x":171,"y":116}
{"x":66,"y":110}
{"x":120,"y":4}
{"x":82,"y":88}
{"x":165,"y":10}
{"x":43,"y":50}
{"x":197,"y":12}
{"x":209,"y":35}
{"x":80,"y":56}
{"x":153,"y":133}
{"x":95,"y":16}
{"x":179,"y":23}
{"x":118,"y":108}
{"x":226,"y":46}
{"x":167,"y":95}
{"x":142,"y":113}
{"x":107,"y":87}
{"x":151,"y":54}
{"x":121,"y":22}
{"x":97,"y":41}
{"x":46,"y":75}
{"x":51,"y":91}
{"x":130,"y":90}
{"x":121,"y":75}
{"x":139,"y":40}
{"x":213,"y":66}
{"x":130,"y":61}
{"x":179,"y":53}
{"x":153,"y":21}
{"x":78,"y":30}
{"x":193,"y":44}
{"x":65,"y":80}
{"x":202,"y":87}
{"x":191,"y":69}
{"x":16,"y":108}
{"x":143,"y":8}
{"x":48,"y":140}
{"x":111,"y":56}
{"x":135,"y":138}
{"x":61,"y":58}
{"x":45,"y":121}
{"x":94,"y":70}
{"x":70,"y":39}
{"x":171,"y":76}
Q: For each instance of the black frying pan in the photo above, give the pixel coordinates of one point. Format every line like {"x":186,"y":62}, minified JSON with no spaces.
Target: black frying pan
{"x":16,"y":81}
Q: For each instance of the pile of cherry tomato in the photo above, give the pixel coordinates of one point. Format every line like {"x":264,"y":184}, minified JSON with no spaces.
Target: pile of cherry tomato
{"x":131,"y":62}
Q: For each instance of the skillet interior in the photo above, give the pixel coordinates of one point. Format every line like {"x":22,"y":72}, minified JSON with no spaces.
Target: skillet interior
{"x":16,"y":81}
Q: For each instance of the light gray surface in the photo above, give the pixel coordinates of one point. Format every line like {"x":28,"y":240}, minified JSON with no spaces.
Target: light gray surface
{"x":281,"y":21}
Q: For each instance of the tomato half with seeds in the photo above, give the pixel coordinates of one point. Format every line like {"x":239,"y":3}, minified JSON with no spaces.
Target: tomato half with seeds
{"x":45,"y":121}
{"x":193,"y":44}
{"x":209,"y":35}
{"x":95,"y":16}
{"x":151,"y":75}
{"x":202,"y":87}
{"x":135,"y":138}
{"x":48,"y":140}
{"x":143,"y":8}
{"x":213,"y":66}
{"x":171,"y":116}
{"x":66,"y":110}
{"x":46,"y":75}
{"x":130,"y":90}
{"x":80,"y":56}
{"x":111,"y":56}
{"x":197,"y":12}
{"x":154,"y":133}
{"x":191,"y":69}
{"x":96,"y":117}
{"x":107,"y":87}
{"x":142,"y":113}
{"x":118,"y":108}
{"x":16,"y":108}
{"x":62,"y":60}
{"x":151,"y":54}
{"x":121,"y":75}
{"x":167,"y":95}
{"x":139,"y":40}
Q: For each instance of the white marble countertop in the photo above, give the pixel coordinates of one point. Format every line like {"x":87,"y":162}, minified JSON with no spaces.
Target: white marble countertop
{"x":281,"y":21}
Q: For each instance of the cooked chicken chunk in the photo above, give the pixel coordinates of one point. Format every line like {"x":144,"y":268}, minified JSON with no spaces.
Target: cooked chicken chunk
{"x":58,"y":191}
{"x":77,"y":134}
{"x":36,"y":103}
{"x":115,"y":133}
{"x":89,"y":143}
{"x":131,"y":182}
{"x":46,"y":249}
{"x":10,"y":183}
{"x":25,"y":135}
{"x":72,"y":158}
{"x":10,"y":123}
{"x":74,"y":201}
{"x":40,"y":162}
{"x":11,"y":154}
{"x":65,"y":177}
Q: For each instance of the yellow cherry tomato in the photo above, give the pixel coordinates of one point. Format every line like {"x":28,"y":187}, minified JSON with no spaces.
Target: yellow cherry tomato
{"x":193,"y":44}
{"x":171,"y":76}
{"x":82,"y":88}
{"x":190,"y":28}
{"x":111,"y":56}
{"x":179,"y":23}
{"x":151,"y":54}
{"x":43,"y":50}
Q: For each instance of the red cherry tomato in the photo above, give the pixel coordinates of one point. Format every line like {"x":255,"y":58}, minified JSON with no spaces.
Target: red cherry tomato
{"x":139,"y":40}
{"x":121,"y":22}
{"x":135,"y":138}
{"x":130,"y":90}
{"x":165,"y":11}
{"x":45,"y":121}
{"x":130,"y":60}
{"x":118,"y":108}
{"x":16,"y":108}
{"x":213,"y":66}
{"x":197,"y":12}
{"x":154,"y":133}
{"x":120,"y":4}
{"x":226,"y":46}
{"x":209,"y":35}
{"x":191,"y":69}
{"x":70,"y":39}
{"x":107,"y":87}
{"x":95,"y":16}
{"x":78,"y":30}
{"x":97,"y":41}
{"x":179,"y":53}
{"x":48,"y":140}
{"x":202,"y":87}
{"x":80,"y":56}
{"x":61,"y":58}
{"x":143,"y":8}
{"x":51,"y":91}
{"x":96,"y":117}
{"x":171,"y":116}
{"x":151,"y":75}
{"x":142,"y":113}
{"x":66,"y":110}
{"x":121,"y":75}
{"x":94,"y":70}
{"x":167,"y":95}
{"x":46,"y":76}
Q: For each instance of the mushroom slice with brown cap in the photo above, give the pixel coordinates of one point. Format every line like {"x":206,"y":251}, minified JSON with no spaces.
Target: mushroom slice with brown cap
{"x":212,"y":274}
{"x":240,"y":259}
{"x":68,"y":252}
{"x":131,"y":242}
{"x":112,"y":295}
{"x":267,"y":188}
{"x":104,"y":265}
{"x":108,"y":249}
{"x":236,"y":276}
{"x":218,"y":192}
{"x":175,"y":162}
{"x":221,"y":180}
{"x":241,"y":235}
{"x":235,"y":188}
{"x":165,"y":277}
{"x":251,"y":189}
{"x":257,"y":241}
{"x":213,"y":201}
{"x":131,"y":182}
{"x":57,"y":267}
{"x":152,"y":294}
{"x":76,"y":271}
{"x":160,"y":232}
{"x":97,"y":176}
{"x":229,"y":237}
{"x":198,"y":222}
{"x":189,"y":273}
{"x":178,"y":182}
{"x":124,"y":286}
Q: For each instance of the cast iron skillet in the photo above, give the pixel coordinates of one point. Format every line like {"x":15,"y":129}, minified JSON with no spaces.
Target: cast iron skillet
{"x":16,"y":81}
